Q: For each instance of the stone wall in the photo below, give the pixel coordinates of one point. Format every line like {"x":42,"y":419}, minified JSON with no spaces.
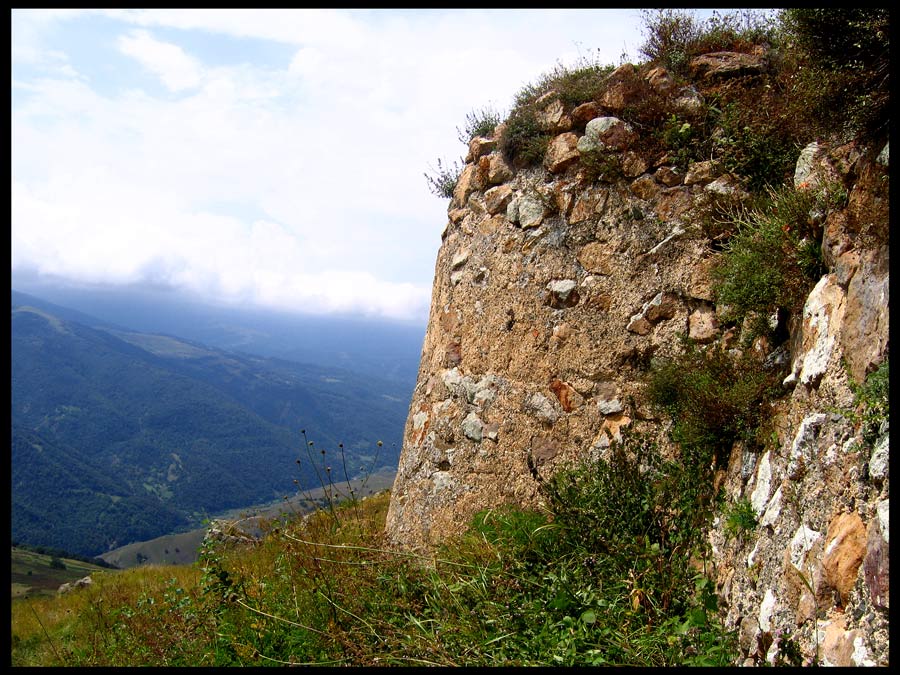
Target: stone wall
{"x":553,"y":291}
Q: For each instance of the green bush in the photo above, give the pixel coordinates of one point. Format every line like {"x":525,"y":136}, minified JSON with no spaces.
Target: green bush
{"x":581,"y":85}
{"x":773,"y":259}
{"x":574,"y":85}
{"x":524,"y":141}
{"x":684,"y":140}
{"x":669,"y":34}
{"x":601,"y":165}
{"x":736,"y":31}
{"x":844,"y":69}
{"x":713,"y":398}
{"x":873,"y":401}
{"x":478,"y":123}
{"x":674,"y":36}
{"x":760,"y":149}
{"x":739,"y":518}
{"x":442,"y":181}
{"x":628,"y":526}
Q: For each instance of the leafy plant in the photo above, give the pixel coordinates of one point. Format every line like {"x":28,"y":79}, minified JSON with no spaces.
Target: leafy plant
{"x":442,"y":181}
{"x":480,"y":122}
{"x":740,"y":518}
{"x":601,"y":165}
{"x":873,"y":401}
{"x":713,"y":398}
{"x":674,"y":36}
{"x":564,"y":586}
{"x":763,"y":151}
{"x":669,"y":33}
{"x":771,"y":261}
{"x":580,"y":83}
{"x":524,"y":141}
{"x":844,"y":65}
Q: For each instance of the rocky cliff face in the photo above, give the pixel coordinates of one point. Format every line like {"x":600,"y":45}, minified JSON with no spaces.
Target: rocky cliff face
{"x":557,"y":285}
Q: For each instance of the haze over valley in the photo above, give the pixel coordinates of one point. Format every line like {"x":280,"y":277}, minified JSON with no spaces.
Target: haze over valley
{"x":126,"y":426}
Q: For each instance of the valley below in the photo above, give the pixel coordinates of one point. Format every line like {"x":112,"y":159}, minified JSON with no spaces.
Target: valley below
{"x":126,"y":443}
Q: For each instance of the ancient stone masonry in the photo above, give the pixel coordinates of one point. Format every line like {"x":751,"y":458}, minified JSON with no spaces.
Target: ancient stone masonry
{"x":553,"y":292}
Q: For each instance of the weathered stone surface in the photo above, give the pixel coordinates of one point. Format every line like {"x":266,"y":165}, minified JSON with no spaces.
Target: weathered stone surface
{"x":605,"y":133}
{"x":611,"y":430}
{"x":766,"y":609}
{"x":823,"y":314}
{"x":479,"y":146}
{"x":864,"y":325}
{"x":876,"y":566}
{"x":554,"y":380}
{"x":459,"y":259}
{"x":702,"y":325}
{"x":456,"y":215}
{"x":531,"y":212}
{"x":588,"y":205}
{"x":674,"y":205}
{"x":497,"y":199}
{"x":568,"y":398}
{"x":610,"y":406}
{"x":645,"y":188}
{"x":561,"y":152}
{"x":726,"y":186}
{"x":472,"y":427}
{"x":804,"y":169}
{"x":804,"y":447}
{"x":845,"y":548}
{"x":639,"y":324}
{"x":699,"y":284}
{"x":623,"y":88}
{"x":544,"y":449}
{"x":584,"y":113}
{"x":689,"y":101}
{"x":563,"y":198}
{"x":842,"y":647}
{"x":467,"y":184}
{"x":496,"y":169}
{"x":661,"y":307}
{"x":491,"y":431}
{"x":543,"y":408}
{"x":760,"y":494}
{"x":668,"y":176}
{"x":597,"y":258}
{"x":633,"y":164}
{"x":661,"y":80}
{"x":703,"y":172}
{"x":562,"y":293}
{"x":553,"y":119}
{"x":727,"y":64}
{"x":879,"y":463}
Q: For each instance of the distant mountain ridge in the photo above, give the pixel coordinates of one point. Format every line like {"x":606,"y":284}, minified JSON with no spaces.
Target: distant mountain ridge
{"x":377,"y":347}
{"x":121,"y":436}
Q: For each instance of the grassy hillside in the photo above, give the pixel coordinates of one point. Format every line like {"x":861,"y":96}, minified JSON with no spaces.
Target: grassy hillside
{"x":520,"y":588}
{"x":36,"y":574}
{"x":132,"y":436}
{"x":184,"y":547}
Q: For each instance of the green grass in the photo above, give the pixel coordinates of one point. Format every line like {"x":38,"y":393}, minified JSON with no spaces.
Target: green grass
{"x":32,"y":573}
{"x":564,"y":586}
{"x":773,"y":259}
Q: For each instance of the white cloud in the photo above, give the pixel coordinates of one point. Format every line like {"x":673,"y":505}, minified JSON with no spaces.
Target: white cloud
{"x":295,"y":183}
{"x":169,"y":62}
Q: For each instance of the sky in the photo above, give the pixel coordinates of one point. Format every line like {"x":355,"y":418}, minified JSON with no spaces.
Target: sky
{"x":268,"y":158}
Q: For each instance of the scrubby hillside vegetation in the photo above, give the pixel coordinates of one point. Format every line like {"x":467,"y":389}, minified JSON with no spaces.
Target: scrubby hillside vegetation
{"x":119,"y":436}
{"x":614,"y":567}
